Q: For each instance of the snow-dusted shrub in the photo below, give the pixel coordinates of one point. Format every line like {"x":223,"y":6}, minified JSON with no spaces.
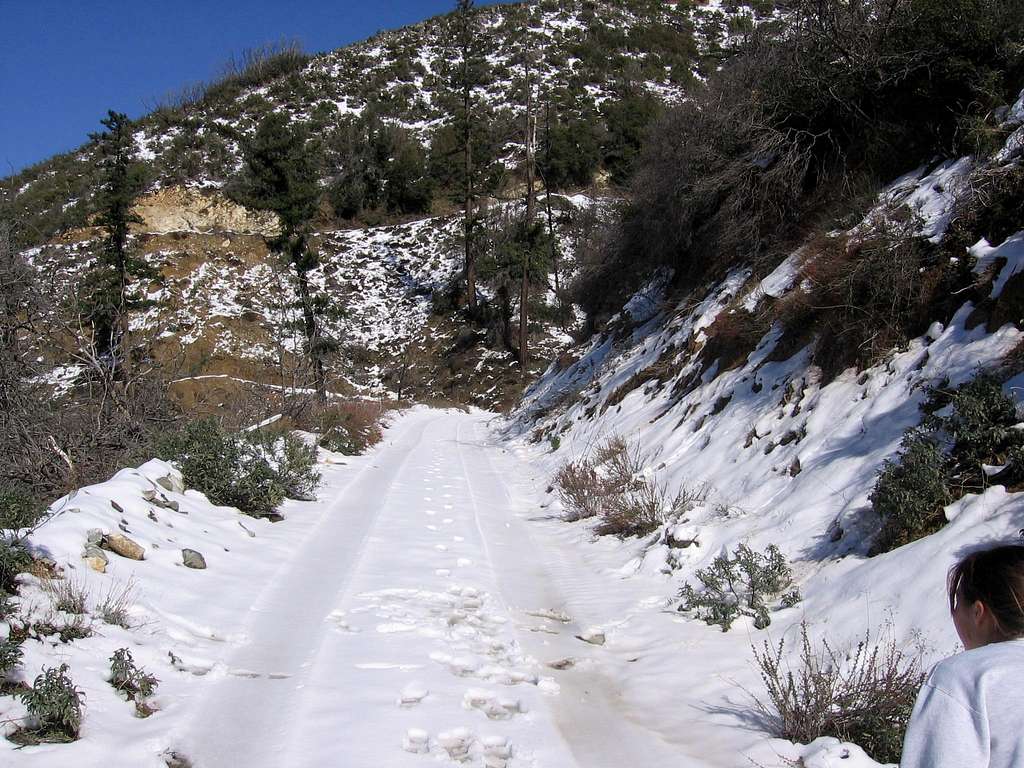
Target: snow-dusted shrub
{"x":911,"y":491}
{"x":865,"y":696}
{"x":293,"y":461}
{"x":134,"y":682}
{"x":230,"y":470}
{"x":741,"y":585}
{"x":55,"y":704}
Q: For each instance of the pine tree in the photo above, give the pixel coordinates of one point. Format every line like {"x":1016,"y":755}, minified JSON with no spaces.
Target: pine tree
{"x":470,"y":71}
{"x":281,"y":178}
{"x":107,"y":297}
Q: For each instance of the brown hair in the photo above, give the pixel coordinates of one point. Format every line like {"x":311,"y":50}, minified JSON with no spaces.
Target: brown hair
{"x":994,"y":576}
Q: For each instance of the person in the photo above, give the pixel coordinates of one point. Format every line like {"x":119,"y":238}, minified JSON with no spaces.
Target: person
{"x":970,"y":711}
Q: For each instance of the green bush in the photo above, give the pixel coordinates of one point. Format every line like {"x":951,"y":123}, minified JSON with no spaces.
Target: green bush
{"x":865,"y":696}
{"x":10,"y":657}
{"x":55,"y":704}
{"x":228,"y":469}
{"x":293,"y":461}
{"x":911,"y":492}
{"x":19,"y":508}
{"x":981,"y":422}
{"x":963,"y":429}
{"x":129,"y":679}
{"x":14,"y":559}
{"x":741,"y":585}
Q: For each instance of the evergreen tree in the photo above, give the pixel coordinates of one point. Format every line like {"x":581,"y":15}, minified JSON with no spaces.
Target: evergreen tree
{"x":281,"y":178}
{"x":107,"y":297}
{"x":469,"y":71}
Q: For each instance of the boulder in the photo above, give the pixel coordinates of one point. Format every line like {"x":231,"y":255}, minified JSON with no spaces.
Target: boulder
{"x":123,"y":546}
{"x":172,"y":483}
{"x":193,"y":559}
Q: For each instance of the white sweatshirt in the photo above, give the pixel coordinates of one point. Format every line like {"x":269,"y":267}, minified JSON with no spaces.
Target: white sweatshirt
{"x":970,"y":713}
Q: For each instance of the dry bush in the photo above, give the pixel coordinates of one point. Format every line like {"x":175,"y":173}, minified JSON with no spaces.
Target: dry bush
{"x":580,"y":489}
{"x":350,"y":427}
{"x":864,"y":696}
{"x":643,"y":508}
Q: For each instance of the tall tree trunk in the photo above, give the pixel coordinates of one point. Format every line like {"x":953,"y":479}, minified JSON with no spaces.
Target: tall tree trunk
{"x":531,"y":210}
{"x":547,"y":197}
{"x":467,"y":152}
{"x":309,"y":323}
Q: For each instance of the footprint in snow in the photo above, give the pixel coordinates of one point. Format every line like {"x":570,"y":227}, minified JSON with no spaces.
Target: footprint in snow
{"x":412,"y":695}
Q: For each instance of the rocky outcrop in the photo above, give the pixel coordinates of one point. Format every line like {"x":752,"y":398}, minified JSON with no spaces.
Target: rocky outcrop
{"x":178,"y":209}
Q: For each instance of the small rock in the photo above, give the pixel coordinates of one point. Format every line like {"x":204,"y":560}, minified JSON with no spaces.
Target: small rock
{"x":594,"y":638}
{"x":149,"y":494}
{"x":123,"y":546}
{"x":152,"y":516}
{"x":193,"y":559}
{"x":92,"y":550}
{"x":94,"y":536}
{"x":95,"y":558}
{"x":562,"y":664}
{"x":117,"y":506}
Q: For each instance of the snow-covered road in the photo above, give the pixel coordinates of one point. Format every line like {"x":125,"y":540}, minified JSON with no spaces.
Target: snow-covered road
{"x":423,"y":618}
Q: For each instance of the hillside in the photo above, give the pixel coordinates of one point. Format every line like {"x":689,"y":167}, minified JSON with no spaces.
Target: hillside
{"x":213,"y":314}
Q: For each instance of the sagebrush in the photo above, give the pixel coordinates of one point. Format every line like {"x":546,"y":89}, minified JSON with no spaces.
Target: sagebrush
{"x":744,"y":584}
{"x":864,"y":696}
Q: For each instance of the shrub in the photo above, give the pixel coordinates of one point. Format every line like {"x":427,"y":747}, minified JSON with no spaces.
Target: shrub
{"x":865,"y":696}
{"x":229,"y":470}
{"x":14,"y":559}
{"x":580,"y":489}
{"x":963,"y":430}
{"x":643,"y":508}
{"x":19,"y":508}
{"x":293,"y":461}
{"x":980,"y":420}
{"x":741,"y":585}
{"x":55,"y":704}
{"x":911,"y":492}
{"x":10,"y":657}
{"x":351,"y":427}
{"x":132,"y":681}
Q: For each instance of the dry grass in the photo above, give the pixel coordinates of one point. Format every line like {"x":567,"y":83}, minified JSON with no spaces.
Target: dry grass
{"x":66,"y":595}
{"x":116,"y":604}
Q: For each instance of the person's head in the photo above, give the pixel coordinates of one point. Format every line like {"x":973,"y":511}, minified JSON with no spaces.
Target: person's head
{"x":986,"y":595}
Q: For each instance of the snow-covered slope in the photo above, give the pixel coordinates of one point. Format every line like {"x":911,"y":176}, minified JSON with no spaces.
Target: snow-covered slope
{"x":782,"y":457}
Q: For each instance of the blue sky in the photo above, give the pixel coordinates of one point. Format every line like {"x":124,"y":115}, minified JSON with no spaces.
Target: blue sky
{"x":64,"y":63}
